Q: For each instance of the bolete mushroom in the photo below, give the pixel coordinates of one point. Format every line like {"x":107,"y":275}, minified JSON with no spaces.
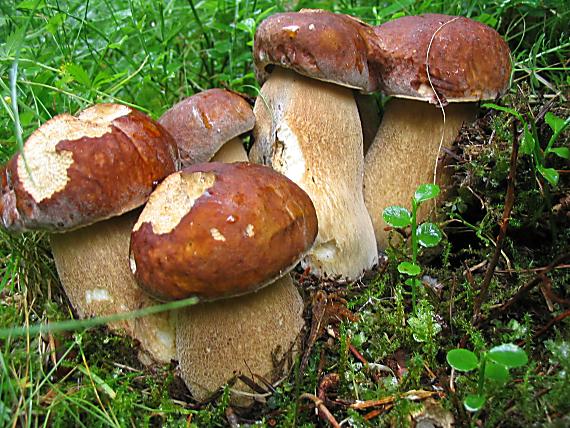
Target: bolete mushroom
{"x":215,"y":231}
{"x":208,"y":124}
{"x":427,"y":62}
{"x":308,"y":127}
{"x":76,"y":173}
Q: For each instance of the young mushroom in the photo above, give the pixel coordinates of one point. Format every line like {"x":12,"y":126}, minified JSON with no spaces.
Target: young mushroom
{"x":427,"y":62}
{"x":216,"y":231}
{"x":207,"y":126}
{"x":308,"y":127}
{"x":76,"y":173}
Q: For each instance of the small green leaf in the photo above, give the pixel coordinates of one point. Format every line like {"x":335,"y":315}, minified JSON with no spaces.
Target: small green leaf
{"x":509,"y":355}
{"x":409,"y":268}
{"x":462,"y":359}
{"x":506,"y":110}
{"x":425,"y":192}
{"x":496,"y":372}
{"x":528,"y":143}
{"x":397,"y":216}
{"x":557,"y":124}
{"x":78,"y":74}
{"x":428,"y":234}
{"x":563,"y":152}
{"x":473,"y":403}
{"x":550,"y":174}
{"x":413,"y":282}
{"x":55,"y":22}
{"x":31,"y":5}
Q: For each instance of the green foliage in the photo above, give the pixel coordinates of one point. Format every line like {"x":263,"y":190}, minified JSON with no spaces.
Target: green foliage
{"x":493,"y":367}
{"x":150,"y":54}
{"x":530,"y":142}
{"x":426,"y":234}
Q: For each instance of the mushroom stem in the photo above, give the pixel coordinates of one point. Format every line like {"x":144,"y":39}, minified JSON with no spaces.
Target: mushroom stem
{"x":404,"y":153}
{"x":310,"y":131}
{"x":245,"y":335}
{"x":232,"y":151}
{"x":93,"y":265}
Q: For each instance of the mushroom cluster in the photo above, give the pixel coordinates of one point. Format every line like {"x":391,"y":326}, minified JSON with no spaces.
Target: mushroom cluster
{"x":311,"y":135}
{"x":228,"y":231}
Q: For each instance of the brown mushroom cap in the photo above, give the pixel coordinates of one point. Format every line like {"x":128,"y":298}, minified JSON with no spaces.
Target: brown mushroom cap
{"x":203,"y":123}
{"x":79,"y":170}
{"x":318,"y":44}
{"x":468,"y":61}
{"x":219,"y":230}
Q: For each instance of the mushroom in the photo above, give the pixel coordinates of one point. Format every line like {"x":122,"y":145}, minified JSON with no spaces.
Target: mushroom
{"x":308,"y":127}
{"x":467,"y":62}
{"x":74,"y":175}
{"x":216,"y":231}
{"x":208,"y":124}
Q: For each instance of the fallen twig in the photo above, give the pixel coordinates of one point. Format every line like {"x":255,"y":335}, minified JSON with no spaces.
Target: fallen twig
{"x":534,"y":282}
{"x":413,"y":395}
{"x":550,"y":323}
{"x":509,"y":202}
{"x":323,"y":412}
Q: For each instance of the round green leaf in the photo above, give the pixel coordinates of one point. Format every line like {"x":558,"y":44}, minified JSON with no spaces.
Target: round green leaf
{"x":496,"y":372}
{"x":550,"y":174}
{"x":509,"y":355}
{"x":397,"y":216}
{"x":413,"y":282}
{"x":473,"y":402}
{"x":462,"y":359}
{"x":409,"y":268}
{"x":425,"y":192}
{"x":428,"y":234}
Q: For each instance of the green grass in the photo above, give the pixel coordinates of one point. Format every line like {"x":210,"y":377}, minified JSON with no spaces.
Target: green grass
{"x":61,"y":56}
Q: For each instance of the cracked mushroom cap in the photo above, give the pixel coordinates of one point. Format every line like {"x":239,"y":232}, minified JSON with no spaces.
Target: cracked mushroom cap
{"x":218,"y":230}
{"x":203,"y":123}
{"x":82,"y":169}
{"x":318,"y":44}
{"x":468,"y":61}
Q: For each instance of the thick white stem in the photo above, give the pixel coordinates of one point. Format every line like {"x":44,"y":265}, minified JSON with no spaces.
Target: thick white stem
{"x":404,"y":153}
{"x":93,"y":266}
{"x":248,"y":335}
{"x":310,"y":131}
{"x":232,"y":151}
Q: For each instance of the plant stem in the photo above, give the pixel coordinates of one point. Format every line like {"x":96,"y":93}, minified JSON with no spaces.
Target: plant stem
{"x":509,"y":203}
{"x":414,"y":249}
{"x":481,"y":383}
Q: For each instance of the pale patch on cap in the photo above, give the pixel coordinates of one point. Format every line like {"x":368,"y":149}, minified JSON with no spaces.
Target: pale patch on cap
{"x":217,"y":235}
{"x":173,"y":199}
{"x":46,"y":171}
{"x":104,"y":114}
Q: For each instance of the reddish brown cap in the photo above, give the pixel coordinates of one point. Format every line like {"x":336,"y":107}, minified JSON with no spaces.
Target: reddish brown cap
{"x":318,"y":44}
{"x":79,"y":170}
{"x":468,"y":61}
{"x":204,"y":122}
{"x":218,"y":230}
